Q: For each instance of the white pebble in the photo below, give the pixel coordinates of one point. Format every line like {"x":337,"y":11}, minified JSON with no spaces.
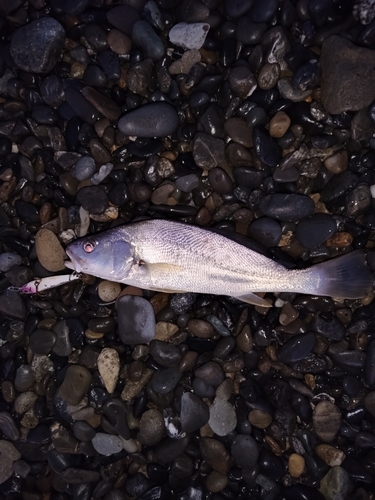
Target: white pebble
{"x":104,"y":170}
{"x":109,"y":367}
{"x":85,"y":223}
{"x":372,"y":189}
{"x":223,"y":418}
{"x":129,"y":445}
{"x":108,"y":291}
{"x":189,"y":36}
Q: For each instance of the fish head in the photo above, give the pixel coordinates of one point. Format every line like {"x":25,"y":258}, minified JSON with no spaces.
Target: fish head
{"x":109,"y":256}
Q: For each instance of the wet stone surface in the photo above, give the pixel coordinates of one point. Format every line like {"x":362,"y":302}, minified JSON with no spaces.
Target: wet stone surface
{"x":254,"y":118}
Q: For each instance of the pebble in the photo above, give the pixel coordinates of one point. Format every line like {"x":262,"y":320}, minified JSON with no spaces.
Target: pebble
{"x":296,"y":465}
{"x":49,"y":250}
{"x":151,"y":427}
{"x":328,"y":326}
{"x":279,"y":124}
{"x":215,"y":453}
{"x":339,"y":59}
{"x":242,"y":81}
{"x":335,"y":484}
{"x":330,"y":455}
{"x":163,"y":382}
{"x":36,"y":47}
{"x":84,"y":168}
{"x":245,"y":451}
{"x":208,"y":151}
{"x":296,"y":348}
{"x":326,"y":420}
{"x":8,"y":455}
{"x":194,"y":412}
{"x":109,"y":367}
{"x":358,"y":200}
{"x":184,"y":65}
{"x":93,"y":199}
{"x":315,"y":230}
{"x":223,"y":418}
{"x":157,"y":119}
{"x":42,"y":341}
{"x":136,"y":320}
{"x":266,"y":149}
{"x":106,"y":444}
{"x":369,"y":368}
{"x":286,"y":207}
{"x":76,"y":382}
{"x":148,"y":41}
{"x":260,"y":418}
{"x":189,"y":35}
{"x":8,"y":260}
{"x":108,"y":291}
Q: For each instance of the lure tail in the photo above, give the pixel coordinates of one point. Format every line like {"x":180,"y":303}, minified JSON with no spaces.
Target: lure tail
{"x":346,"y":277}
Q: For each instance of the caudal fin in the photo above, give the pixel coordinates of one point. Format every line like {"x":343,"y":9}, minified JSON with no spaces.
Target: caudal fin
{"x":346,"y":277}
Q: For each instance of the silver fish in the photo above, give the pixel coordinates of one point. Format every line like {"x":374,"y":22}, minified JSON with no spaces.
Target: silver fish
{"x":168,"y":256}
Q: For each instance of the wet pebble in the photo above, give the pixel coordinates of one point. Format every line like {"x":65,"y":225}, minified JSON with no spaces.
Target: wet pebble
{"x":136,"y":320}
{"x":165,"y":381}
{"x":151,"y":120}
{"x":208,"y":152}
{"x":245,"y":451}
{"x":326,"y":420}
{"x":106,"y":444}
{"x":37,"y":46}
{"x":8,"y":455}
{"x":286,"y":207}
{"x":335,"y":484}
{"x":49,"y":250}
{"x":223,"y":418}
{"x":8,"y":260}
{"x":93,"y":199}
{"x":296,"y":348}
{"x":189,"y":35}
{"x":144,"y":36}
{"x":315,"y":230}
{"x":151,"y":427}
{"x":109,"y":367}
{"x":76,"y":382}
{"x":194,"y":412}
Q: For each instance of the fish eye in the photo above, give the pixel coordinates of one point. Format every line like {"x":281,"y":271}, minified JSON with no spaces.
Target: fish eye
{"x":88,"y":246}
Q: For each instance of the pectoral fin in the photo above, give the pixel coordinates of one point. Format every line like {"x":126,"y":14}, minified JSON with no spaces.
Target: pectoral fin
{"x":251,"y":298}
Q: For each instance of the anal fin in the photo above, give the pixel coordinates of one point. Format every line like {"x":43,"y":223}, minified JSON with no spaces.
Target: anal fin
{"x":251,"y":298}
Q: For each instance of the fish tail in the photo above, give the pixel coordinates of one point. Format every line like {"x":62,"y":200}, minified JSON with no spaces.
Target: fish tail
{"x":346,"y":277}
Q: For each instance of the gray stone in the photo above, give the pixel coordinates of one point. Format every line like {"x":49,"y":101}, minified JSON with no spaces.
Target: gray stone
{"x":12,"y":305}
{"x":37,"y":46}
{"x":223,"y":418}
{"x":348,"y":75}
{"x":156,"y":119}
{"x":136,"y":320}
{"x":147,"y":40}
{"x":106,"y":444}
{"x":8,"y":260}
{"x":335,"y":484}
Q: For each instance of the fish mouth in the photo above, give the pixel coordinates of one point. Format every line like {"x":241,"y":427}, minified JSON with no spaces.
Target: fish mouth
{"x":72,"y":262}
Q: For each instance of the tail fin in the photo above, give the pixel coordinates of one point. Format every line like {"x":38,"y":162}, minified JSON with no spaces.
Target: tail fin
{"x":347,"y":276}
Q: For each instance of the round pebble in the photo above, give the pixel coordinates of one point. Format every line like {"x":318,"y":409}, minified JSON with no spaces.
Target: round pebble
{"x":108,"y":291}
{"x":49,"y":250}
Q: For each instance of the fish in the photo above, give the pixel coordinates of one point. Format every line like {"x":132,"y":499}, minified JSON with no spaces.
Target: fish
{"x":174,"y":257}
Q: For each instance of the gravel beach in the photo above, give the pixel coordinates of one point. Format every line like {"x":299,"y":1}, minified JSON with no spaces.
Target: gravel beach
{"x":255,"y":118}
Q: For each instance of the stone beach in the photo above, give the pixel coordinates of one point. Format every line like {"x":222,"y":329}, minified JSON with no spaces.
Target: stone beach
{"x":255,"y":118}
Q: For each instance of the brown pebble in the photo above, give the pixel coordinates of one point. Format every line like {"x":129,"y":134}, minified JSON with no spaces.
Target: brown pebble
{"x":203,"y":216}
{"x":76,"y":382}
{"x":338,"y":162}
{"x":200,"y":328}
{"x":268,"y":76}
{"x":279,"y":124}
{"x":119,"y":42}
{"x":216,"y":482}
{"x":162,"y":193}
{"x":45,"y":212}
{"x":296,"y":465}
{"x":183,"y":66}
{"x":49,"y":251}
{"x":159,"y":301}
{"x":370,"y":403}
{"x":244,"y":339}
{"x":340,"y":240}
{"x":215,"y":453}
{"x":287,"y":314}
{"x":187,"y":362}
{"x":326,"y":420}
{"x":239,"y":131}
{"x":330,"y":455}
{"x":165,"y":330}
{"x":260,"y":419}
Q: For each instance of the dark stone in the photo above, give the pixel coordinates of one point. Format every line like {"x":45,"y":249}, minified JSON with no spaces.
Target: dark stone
{"x":296,"y":348}
{"x":136,"y":320}
{"x":348,"y":73}
{"x":287,"y":207}
{"x":266,"y":148}
{"x":328,"y":326}
{"x":36,"y":47}
{"x":315,"y":230}
{"x":156,"y":119}
{"x":93,"y":199}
